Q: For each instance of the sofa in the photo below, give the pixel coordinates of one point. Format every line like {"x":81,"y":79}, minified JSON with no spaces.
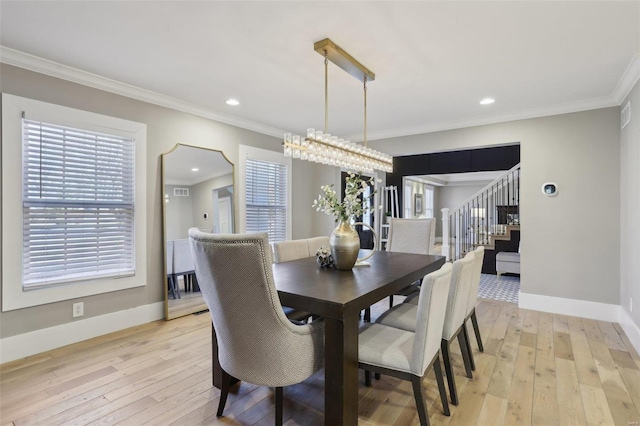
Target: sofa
{"x":508,"y":262}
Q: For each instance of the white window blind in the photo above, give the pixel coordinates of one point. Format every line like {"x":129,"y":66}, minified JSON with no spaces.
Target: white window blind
{"x":78,"y":204}
{"x":266,"y":198}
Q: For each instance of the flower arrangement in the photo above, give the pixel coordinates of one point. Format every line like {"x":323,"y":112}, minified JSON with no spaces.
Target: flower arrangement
{"x":354,"y":203}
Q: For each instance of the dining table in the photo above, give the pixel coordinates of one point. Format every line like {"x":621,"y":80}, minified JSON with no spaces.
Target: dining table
{"x":339,"y":297}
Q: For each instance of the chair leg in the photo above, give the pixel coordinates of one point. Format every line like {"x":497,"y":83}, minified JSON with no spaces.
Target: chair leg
{"x":279,"y":404}
{"x":367,"y":314}
{"x":464,"y":350}
{"x":472,"y":361}
{"x":476,"y":330}
{"x":448,"y":369}
{"x":417,"y":393}
{"x":224,"y":392}
{"x":391,"y":301}
{"x":499,"y":273}
{"x":367,"y":378}
{"x":443,"y":393}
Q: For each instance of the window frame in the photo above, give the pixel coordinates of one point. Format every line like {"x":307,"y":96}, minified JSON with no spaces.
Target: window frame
{"x":249,"y":152}
{"x":13,"y":294}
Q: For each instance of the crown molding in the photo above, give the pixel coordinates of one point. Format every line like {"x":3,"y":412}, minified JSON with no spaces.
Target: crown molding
{"x":54,"y":69}
{"x":597,"y":103}
{"x":628,"y":80}
{"x":44,"y":66}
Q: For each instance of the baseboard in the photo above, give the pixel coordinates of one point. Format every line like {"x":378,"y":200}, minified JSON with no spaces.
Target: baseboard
{"x":573,"y":307}
{"x":46,"y":339}
{"x":630,"y":329}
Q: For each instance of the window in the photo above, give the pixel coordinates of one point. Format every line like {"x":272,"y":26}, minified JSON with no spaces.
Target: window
{"x":428,"y":201}
{"x":73,"y":203}
{"x":266,"y":193}
{"x":78,"y":204}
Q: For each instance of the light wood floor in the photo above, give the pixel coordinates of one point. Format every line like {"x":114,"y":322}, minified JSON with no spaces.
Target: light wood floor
{"x":537,"y":368}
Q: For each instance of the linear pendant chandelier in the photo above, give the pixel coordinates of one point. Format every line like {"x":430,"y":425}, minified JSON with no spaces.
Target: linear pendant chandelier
{"x":322,"y":147}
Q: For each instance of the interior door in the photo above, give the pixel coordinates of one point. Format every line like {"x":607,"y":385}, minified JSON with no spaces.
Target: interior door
{"x":224,"y":215}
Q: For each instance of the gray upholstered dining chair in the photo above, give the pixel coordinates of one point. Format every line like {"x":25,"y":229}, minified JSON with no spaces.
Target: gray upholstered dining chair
{"x":415,"y":236}
{"x":404,"y":316}
{"x":478,"y":258}
{"x":408,"y":354}
{"x":256,"y":341}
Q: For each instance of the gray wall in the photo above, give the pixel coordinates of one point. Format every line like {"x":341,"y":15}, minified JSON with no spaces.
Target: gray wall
{"x":165,"y":128}
{"x":179,"y":213}
{"x":630,"y":208}
{"x":565,"y":252}
{"x":451,"y":197}
{"x":203,"y":200}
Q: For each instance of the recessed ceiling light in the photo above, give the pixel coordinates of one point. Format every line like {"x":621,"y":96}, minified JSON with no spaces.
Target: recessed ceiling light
{"x":195,"y":169}
{"x":232,"y":102}
{"x":487,"y":101}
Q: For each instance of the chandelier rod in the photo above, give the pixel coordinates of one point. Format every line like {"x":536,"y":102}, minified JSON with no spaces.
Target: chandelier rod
{"x":326,"y":91}
{"x":365,"y":111}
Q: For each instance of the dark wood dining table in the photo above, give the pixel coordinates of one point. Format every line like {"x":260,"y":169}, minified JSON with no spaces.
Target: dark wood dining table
{"x":339,"y":296}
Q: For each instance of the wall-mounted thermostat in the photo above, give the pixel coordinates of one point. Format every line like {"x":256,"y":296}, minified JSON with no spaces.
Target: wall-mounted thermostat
{"x":550,"y":189}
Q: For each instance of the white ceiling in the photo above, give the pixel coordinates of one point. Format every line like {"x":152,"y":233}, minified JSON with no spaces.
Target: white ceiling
{"x":433,"y":60}
{"x":178,"y":165}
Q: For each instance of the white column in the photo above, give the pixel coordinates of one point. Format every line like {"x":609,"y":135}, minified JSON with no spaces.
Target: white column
{"x":445,"y":233}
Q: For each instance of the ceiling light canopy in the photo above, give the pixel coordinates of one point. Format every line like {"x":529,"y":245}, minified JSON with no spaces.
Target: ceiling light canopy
{"x":322,"y":147}
{"x":232,"y":102}
{"x":487,"y":101}
{"x":195,"y":169}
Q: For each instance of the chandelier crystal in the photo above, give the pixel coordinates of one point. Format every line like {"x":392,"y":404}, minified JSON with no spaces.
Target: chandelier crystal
{"x":322,"y":147}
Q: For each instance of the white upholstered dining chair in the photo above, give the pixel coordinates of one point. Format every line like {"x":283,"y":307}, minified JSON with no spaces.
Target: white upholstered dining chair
{"x":256,"y":341}
{"x":478,"y":258}
{"x":415,"y":236}
{"x":408,"y":354}
{"x":288,"y":250}
{"x":404,"y":316}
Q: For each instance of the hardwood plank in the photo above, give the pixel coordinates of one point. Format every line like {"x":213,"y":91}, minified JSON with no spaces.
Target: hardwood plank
{"x":611,"y":337}
{"x":595,"y":406}
{"x":544,"y":342}
{"x":545,"y":402}
{"x":627,"y":343}
{"x":585,"y":364}
{"x":620,"y":402}
{"x":631,"y":379}
{"x":623,"y":359}
{"x":520,"y":402}
{"x":562,"y":346}
{"x":125,"y":412}
{"x":473,"y":394}
{"x":570,"y":407}
{"x":501,"y":378}
{"x":493,"y":411}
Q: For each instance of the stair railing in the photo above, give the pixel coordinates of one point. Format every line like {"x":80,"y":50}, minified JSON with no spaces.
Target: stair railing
{"x":482,"y":216}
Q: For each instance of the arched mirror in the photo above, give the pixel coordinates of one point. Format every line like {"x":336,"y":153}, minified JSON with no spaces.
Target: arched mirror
{"x":197,"y":188}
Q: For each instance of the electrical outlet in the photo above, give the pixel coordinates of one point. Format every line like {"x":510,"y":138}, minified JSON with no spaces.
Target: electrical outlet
{"x":78,"y":309}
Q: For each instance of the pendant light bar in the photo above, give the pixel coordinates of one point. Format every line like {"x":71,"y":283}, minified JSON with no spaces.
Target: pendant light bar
{"x":322,"y":147}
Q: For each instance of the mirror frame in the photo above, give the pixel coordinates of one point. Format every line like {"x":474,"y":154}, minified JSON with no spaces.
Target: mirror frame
{"x":164,"y":221}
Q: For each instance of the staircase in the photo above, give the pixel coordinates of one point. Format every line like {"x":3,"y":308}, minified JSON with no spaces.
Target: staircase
{"x":488,"y":217}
